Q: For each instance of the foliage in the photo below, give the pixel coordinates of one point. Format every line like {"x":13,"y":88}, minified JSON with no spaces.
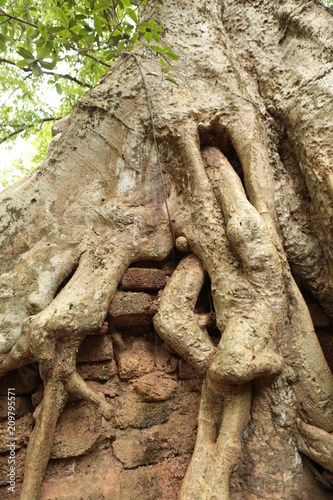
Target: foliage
{"x":67,"y":45}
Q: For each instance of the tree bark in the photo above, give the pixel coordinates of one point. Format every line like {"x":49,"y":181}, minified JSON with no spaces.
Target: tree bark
{"x":233,"y":165}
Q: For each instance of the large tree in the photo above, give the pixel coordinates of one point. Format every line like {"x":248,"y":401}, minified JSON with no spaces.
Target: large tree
{"x":233,"y":165}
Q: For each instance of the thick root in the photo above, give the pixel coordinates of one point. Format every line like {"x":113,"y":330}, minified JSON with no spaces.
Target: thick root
{"x":176,"y":322}
{"x":316,"y":444}
{"x":219,"y":441}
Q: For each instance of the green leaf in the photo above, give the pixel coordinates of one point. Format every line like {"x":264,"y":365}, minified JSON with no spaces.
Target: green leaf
{"x":132,"y":14}
{"x":22,"y":63}
{"x":42,"y":30}
{"x":2,"y":46}
{"x":172,"y":55}
{"x":58,"y":88}
{"x":148,"y":37}
{"x":98,"y":25}
{"x":47,"y":65}
{"x":43,"y":53}
{"x":25,"y":53}
{"x":36,"y":69}
{"x":62,"y":16}
{"x":101,"y":6}
{"x":158,"y":49}
{"x":172,"y":80}
{"x":135,"y":37}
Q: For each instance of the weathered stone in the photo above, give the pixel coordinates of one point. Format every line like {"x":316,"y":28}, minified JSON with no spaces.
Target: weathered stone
{"x":137,"y":360}
{"x":161,"y":481}
{"x":132,"y":308}
{"x":110,"y":388}
{"x":131,"y":411}
{"x":22,"y":431}
{"x":78,"y":431}
{"x":136,"y":447}
{"x":137,"y":278}
{"x":318,"y":315}
{"x":95,"y":348}
{"x":155,"y":387}
{"x":97,"y":371}
{"x":19,"y":469}
{"x":92,"y":477}
{"x":187,"y":372}
{"x":22,"y":406}
{"x":165,"y":360}
{"x":24,"y":380}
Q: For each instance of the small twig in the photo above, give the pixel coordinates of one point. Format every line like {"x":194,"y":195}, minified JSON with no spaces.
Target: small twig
{"x":28,"y":23}
{"x":54,"y":73}
{"x":25,"y":127}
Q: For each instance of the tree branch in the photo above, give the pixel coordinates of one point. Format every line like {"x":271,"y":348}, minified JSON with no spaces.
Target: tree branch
{"x":61,"y":75}
{"x":25,"y":127}
{"x":3,"y":13}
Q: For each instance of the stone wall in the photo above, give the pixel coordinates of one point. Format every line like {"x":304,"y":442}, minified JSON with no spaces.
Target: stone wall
{"x":143,"y":451}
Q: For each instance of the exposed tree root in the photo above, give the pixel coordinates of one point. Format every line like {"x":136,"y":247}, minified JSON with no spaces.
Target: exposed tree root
{"x":175,"y":321}
{"x":223,"y":416}
{"x":117,"y":212}
{"x":316,"y":444}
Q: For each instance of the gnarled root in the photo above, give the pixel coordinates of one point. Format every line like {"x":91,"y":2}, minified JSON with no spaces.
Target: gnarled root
{"x":224,"y":414}
{"x":316,"y":444}
{"x":175,"y":321}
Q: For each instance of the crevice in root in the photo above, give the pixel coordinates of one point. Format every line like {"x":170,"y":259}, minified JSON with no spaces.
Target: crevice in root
{"x":212,"y":135}
{"x":323,"y":477}
{"x":66,"y":280}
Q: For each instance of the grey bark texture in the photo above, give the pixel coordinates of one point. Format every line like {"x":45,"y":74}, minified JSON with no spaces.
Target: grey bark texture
{"x":234,"y":166}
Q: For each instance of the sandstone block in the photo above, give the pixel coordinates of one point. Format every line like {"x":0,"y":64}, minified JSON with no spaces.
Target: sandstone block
{"x":154,"y":387}
{"x":137,"y":278}
{"x":22,"y":406}
{"x":103,"y":370}
{"x":135,"y":447}
{"x":19,"y":469}
{"x":95,"y":348}
{"x":78,"y":431}
{"x":132,"y":308}
{"x":25,"y":380}
{"x":23,"y":428}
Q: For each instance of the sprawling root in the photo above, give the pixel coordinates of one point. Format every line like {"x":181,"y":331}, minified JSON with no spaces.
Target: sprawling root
{"x":176,"y":322}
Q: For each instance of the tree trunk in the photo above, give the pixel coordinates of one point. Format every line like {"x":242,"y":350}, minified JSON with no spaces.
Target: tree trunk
{"x":232,"y":165}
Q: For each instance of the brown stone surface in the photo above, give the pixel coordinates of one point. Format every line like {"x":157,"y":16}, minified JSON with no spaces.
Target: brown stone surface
{"x":131,"y":410}
{"x":103,"y":370}
{"x":187,"y":372}
{"x":95,"y":348}
{"x":23,"y":428}
{"x":4,"y":469}
{"x":22,"y":406}
{"x":92,"y":477}
{"x":155,"y":387}
{"x":138,"y":356}
{"x":155,"y":482}
{"x":24,"y":380}
{"x":137,"y":278}
{"x":134,"y":447}
{"x":78,"y":431}
{"x":131,"y":308}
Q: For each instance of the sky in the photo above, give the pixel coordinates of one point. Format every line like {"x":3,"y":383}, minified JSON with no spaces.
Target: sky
{"x":23,"y":148}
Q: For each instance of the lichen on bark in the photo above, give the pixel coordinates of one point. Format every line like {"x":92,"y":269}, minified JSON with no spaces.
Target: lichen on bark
{"x":234,"y":163}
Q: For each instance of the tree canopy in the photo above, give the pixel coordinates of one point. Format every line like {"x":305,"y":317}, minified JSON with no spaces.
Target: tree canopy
{"x":64,"y":45}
